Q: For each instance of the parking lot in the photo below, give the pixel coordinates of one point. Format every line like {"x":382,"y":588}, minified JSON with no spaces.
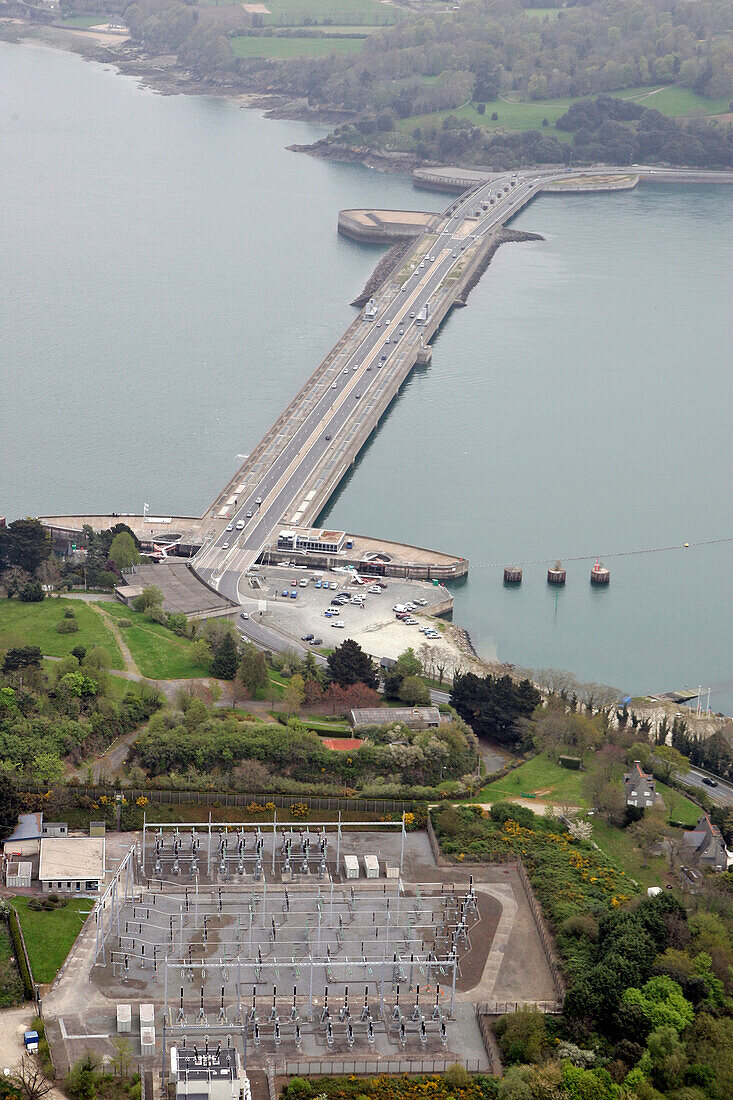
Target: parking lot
{"x":373,"y":624}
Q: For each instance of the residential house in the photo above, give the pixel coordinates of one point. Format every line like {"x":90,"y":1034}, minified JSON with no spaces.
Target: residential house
{"x":639,"y":787}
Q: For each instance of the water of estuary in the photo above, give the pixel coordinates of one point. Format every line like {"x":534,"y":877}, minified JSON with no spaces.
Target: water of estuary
{"x":171,"y":274}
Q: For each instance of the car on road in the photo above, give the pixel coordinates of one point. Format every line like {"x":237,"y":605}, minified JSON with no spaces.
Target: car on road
{"x":294,"y":594}
{"x":369,"y":367}
{"x":307,"y":637}
{"x":383,"y":358}
{"x":334,"y":385}
{"x":345,"y":370}
{"x":244,"y":614}
{"x":431,"y":258}
{"x":225,"y":546}
{"x":404,"y":289}
{"x":230,"y":527}
{"x":357,"y":396}
{"x":709,"y":782}
{"x":379,"y":324}
{"x":240,"y":525}
{"x":387,"y":322}
{"x":339,"y":625}
{"x":258,"y":501}
{"x":355,"y":367}
{"x":249,"y":515}
{"x":402,"y":332}
{"x":412,"y":314}
{"x":462,"y":247}
{"x":317,"y":641}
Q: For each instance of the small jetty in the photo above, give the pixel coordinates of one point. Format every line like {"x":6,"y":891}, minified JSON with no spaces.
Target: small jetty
{"x":512,"y":575}
{"x":557,"y":575}
{"x":599,"y":574}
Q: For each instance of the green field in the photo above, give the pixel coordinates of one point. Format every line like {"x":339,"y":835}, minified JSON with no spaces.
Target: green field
{"x":323,"y":12}
{"x":50,"y":934}
{"x":158,"y":652}
{"x":35,"y":624}
{"x":516,"y":114}
{"x":284,"y":48}
{"x":83,"y":21}
{"x":542,"y":13}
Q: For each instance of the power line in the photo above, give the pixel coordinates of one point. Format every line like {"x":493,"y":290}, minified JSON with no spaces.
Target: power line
{"x":611,"y":554}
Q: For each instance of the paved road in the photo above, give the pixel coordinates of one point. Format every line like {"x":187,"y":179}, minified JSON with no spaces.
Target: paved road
{"x":722,"y":795}
{"x":227,"y":554}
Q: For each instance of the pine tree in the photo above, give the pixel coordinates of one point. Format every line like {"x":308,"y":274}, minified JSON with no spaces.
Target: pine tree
{"x":226,"y":660}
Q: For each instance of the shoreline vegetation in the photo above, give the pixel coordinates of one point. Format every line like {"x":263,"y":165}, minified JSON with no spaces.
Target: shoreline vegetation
{"x":435,"y":88}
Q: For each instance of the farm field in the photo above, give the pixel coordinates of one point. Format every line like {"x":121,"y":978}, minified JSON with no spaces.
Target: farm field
{"x":35,"y":624}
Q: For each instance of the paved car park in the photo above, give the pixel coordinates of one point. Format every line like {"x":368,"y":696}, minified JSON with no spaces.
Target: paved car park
{"x":311,"y":610}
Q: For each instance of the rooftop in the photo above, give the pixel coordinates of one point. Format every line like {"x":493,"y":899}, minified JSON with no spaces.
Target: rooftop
{"x":29,"y":827}
{"x":383,"y":716}
{"x":72,"y":857}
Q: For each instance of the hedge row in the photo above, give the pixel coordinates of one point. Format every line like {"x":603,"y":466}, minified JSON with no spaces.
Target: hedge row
{"x":25,"y":975}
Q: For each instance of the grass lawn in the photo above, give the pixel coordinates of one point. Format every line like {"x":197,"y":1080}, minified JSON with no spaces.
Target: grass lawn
{"x":283,"y":48}
{"x":544,"y":778}
{"x":518,"y":114}
{"x":542,"y":13}
{"x":83,"y":21}
{"x":619,"y":845}
{"x":322,"y":12}
{"x":541,"y":777}
{"x":35,"y":624}
{"x":49,"y":935}
{"x":158,"y":652}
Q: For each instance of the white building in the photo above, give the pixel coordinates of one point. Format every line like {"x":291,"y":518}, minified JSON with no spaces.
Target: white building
{"x":205,"y":1073}
{"x":72,"y":865}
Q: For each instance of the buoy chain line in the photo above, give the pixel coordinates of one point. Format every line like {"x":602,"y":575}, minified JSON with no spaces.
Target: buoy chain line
{"x":599,"y":557}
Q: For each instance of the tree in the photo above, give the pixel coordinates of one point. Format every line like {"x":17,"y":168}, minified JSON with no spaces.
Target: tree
{"x":9,"y":804}
{"x":25,"y":543}
{"x":253,"y":669}
{"x":349,"y":664}
{"x":414,"y":692}
{"x":150,"y":597}
{"x":20,"y":657}
{"x":32,"y":592}
{"x":668,"y":761}
{"x":123,"y":1056}
{"x":123,"y":551}
{"x":226,"y":659}
{"x":30,"y":1080}
{"x":294,"y":694}
{"x":409,"y":663}
{"x":494,"y":705}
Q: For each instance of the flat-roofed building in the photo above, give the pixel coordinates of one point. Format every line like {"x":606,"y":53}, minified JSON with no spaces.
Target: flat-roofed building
{"x":202,"y":1072}
{"x":25,"y":839}
{"x":72,"y":865}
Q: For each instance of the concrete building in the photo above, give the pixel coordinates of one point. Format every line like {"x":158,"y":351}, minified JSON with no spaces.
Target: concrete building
{"x":640,"y":788}
{"x":26,"y":837}
{"x":415,"y":717}
{"x":72,"y":865}
{"x":205,"y":1073}
{"x":707,"y":844}
{"x":18,"y":873}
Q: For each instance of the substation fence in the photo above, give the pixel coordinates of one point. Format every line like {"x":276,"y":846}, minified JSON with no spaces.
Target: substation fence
{"x":317,"y":1068}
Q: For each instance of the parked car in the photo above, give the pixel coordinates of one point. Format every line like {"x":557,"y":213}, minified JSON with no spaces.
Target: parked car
{"x":339,"y":625}
{"x":317,"y":641}
{"x":421,"y":601}
{"x":294,"y":594}
{"x":285,"y":592}
{"x":306,"y":637}
{"x":318,"y":584}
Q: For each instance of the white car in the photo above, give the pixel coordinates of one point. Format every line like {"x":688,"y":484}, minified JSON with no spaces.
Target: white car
{"x":421,"y":601}
{"x":334,"y":385}
{"x":225,"y":546}
{"x":338,"y":625}
{"x":244,"y":614}
{"x":345,"y":370}
{"x":230,"y":527}
{"x":240,"y":525}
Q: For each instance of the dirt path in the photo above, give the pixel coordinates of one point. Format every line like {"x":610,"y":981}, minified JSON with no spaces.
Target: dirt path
{"x":115,"y":631}
{"x":13,"y":1022}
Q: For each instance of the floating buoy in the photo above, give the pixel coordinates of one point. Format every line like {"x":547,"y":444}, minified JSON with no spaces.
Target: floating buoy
{"x":512,"y":575}
{"x":599,"y":574}
{"x":557,"y":574}
{"x":687,"y":545}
